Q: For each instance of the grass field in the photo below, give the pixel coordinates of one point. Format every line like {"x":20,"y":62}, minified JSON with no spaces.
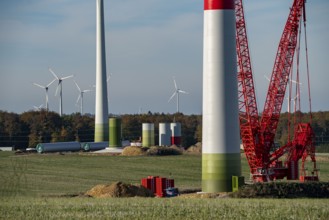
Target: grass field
{"x":38,"y":187}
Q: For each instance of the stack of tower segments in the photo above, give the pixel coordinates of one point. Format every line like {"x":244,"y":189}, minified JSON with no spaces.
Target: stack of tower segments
{"x":115,"y":132}
{"x":148,"y":135}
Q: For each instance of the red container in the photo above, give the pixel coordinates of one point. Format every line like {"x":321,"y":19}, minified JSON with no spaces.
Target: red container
{"x":149,"y":183}
{"x":161,"y":186}
{"x":157,"y":185}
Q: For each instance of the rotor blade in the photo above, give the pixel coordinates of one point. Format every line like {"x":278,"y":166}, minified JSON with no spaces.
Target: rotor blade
{"x":57,"y":89}
{"x":67,"y":77}
{"x":266,"y":78}
{"x":87,"y":90}
{"x":108,"y":77}
{"x":181,"y":91}
{"x":296,"y":82}
{"x":175,"y":83}
{"x":78,"y":98}
{"x":53,"y":73}
{"x":77,"y":85}
{"x":36,"y":84}
{"x":51,"y":82}
{"x":172,"y":96}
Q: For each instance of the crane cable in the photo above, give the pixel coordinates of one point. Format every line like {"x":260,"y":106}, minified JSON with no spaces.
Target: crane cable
{"x":307,"y":68}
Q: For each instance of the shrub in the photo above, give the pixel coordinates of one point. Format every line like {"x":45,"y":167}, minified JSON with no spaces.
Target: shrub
{"x":284,"y":190}
{"x":163,"y":151}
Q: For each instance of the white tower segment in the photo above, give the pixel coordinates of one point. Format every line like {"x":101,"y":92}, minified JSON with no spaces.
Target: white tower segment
{"x":101,"y":108}
{"x":220,"y":125}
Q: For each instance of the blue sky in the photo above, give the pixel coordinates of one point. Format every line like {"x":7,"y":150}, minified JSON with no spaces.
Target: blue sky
{"x":147,"y":43}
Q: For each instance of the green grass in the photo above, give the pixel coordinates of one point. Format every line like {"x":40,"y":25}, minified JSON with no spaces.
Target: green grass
{"x":31,"y":186}
{"x":72,"y":173}
{"x":175,"y":208}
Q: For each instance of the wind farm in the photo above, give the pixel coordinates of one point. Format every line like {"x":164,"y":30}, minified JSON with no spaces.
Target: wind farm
{"x":199,"y":136}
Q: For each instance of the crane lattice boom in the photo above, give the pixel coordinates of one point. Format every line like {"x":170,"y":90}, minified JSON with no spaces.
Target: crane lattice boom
{"x":258,"y":135}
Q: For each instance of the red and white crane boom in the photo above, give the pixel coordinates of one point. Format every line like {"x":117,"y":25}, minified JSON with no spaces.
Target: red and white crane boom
{"x":258,"y":135}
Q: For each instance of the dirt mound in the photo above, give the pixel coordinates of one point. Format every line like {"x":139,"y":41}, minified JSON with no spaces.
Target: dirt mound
{"x":132,"y":151}
{"x":119,"y":189}
{"x":195,"y":149}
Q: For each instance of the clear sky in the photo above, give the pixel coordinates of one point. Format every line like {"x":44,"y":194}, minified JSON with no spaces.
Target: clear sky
{"x":148,"y":42}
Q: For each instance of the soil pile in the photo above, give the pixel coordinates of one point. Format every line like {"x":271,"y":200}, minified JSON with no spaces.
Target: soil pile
{"x":195,"y":149}
{"x":133,"y":151}
{"x":119,"y":189}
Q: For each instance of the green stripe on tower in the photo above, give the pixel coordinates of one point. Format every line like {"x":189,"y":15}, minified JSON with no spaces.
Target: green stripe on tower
{"x":101,"y":132}
{"x":217,"y":171}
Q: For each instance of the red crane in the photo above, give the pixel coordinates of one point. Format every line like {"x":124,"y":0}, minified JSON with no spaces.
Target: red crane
{"x":258,"y":134}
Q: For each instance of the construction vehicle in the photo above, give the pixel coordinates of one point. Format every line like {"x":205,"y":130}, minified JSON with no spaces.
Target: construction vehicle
{"x":258,"y":132}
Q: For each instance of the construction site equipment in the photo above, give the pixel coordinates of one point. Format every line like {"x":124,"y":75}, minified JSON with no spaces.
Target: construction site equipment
{"x":258,"y":133}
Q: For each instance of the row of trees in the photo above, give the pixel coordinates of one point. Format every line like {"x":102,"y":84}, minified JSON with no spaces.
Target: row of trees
{"x":33,"y":127}
{"x":30,"y":128}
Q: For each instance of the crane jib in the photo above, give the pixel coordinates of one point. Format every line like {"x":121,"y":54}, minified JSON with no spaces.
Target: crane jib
{"x":258,"y":134}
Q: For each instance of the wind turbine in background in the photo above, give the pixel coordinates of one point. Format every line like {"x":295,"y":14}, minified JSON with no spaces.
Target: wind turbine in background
{"x":46,"y":89}
{"x":38,"y":108}
{"x":294,"y":101}
{"x":176,"y":93}
{"x":289,"y":99}
{"x":81,"y":96}
{"x":60,"y":87}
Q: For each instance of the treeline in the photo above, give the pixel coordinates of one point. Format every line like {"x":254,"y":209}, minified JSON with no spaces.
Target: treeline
{"x":319,"y":123}
{"x":33,"y":127}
